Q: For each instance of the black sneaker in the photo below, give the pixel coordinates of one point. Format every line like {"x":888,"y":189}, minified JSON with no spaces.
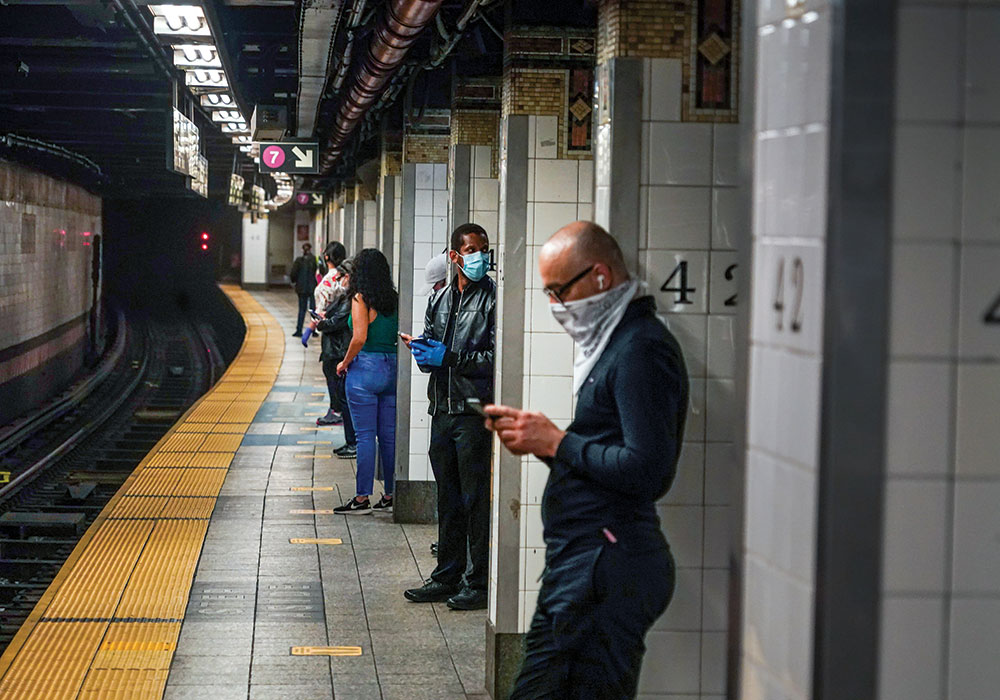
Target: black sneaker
{"x":347,"y":451}
{"x":468,"y":599}
{"x":354,"y":507}
{"x":431,"y":592}
{"x":331,"y":418}
{"x":434,"y":549}
{"x":297,"y":334}
{"x":384,"y":504}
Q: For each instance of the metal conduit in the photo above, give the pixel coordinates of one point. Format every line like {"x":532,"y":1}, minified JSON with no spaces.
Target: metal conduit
{"x":395,"y":32}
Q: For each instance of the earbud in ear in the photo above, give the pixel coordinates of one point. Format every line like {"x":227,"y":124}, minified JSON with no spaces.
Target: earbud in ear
{"x":600,"y":282}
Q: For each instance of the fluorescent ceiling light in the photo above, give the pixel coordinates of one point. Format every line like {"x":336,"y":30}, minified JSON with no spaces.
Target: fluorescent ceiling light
{"x":207,"y":77}
{"x":196,"y":56}
{"x":228,"y":115}
{"x":242,"y":139}
{"x":218,"y":100}
{"x":180,"y":20}
{"x":230,"y":128}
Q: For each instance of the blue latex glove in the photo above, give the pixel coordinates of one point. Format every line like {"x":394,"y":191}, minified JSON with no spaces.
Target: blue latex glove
{"x":429,"y":353}
{"x":305,"y":335}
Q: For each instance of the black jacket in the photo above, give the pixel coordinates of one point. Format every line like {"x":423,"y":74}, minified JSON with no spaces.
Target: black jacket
{"x":336,"y":333}
{"x":620,"y":452}
{"x":303,"y":274}
{"x":468,"y":367}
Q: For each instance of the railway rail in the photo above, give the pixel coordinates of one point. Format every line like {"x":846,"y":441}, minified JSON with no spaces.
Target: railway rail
{"x":66,"y":461}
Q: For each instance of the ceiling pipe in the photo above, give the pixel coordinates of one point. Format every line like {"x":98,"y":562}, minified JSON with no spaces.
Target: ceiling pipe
{"x":398,"y":27}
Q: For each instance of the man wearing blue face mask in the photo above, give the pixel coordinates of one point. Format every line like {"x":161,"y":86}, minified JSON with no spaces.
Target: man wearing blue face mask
{"x":456,"y":348}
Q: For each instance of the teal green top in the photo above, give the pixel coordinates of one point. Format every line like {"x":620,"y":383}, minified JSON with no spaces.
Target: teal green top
{"x":381,"y":333}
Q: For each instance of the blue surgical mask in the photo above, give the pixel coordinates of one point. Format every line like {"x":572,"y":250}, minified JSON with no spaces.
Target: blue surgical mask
{"x":474,"y":265}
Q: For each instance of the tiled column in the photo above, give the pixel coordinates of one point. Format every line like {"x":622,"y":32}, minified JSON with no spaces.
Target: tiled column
{"x":940,"y":616}
{"x":473,"y":165}
{"x":423,"y":232}
{"x":254,"y":274}
{"x":350,"y":225}
{"x":546,"y":176}
{"x":667,"y":190}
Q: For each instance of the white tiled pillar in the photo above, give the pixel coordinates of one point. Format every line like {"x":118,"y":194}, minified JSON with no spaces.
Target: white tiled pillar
{"x":940,"y":620}
{"x":254,"y":252}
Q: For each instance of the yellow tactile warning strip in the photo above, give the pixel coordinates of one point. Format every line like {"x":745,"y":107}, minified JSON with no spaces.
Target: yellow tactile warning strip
{"x":108,"y":625}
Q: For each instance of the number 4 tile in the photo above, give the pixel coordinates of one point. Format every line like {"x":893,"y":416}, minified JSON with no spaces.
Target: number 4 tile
{"x":678,"y":280}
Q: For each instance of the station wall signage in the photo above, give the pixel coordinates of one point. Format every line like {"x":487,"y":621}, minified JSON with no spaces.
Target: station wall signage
{"x":289,"y":157}
{"x":309,"y":199}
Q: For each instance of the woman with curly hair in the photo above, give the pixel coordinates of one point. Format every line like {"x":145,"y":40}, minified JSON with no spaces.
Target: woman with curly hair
{"x":370,"y":365}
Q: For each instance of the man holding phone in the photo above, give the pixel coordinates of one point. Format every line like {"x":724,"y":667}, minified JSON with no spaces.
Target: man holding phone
{"x":456,"y":348}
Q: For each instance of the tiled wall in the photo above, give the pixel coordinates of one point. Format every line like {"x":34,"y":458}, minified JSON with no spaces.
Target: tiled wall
{"x":559,"y":191}
{"x":388,"y":222}
{"x":46,"y":227}
{"x":789,"y":243}
{"x":484,"y":191}
{"x":430,"y":227}
{"x":941,"y":557}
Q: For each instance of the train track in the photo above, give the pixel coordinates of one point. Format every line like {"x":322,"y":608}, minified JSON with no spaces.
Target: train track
{"x":67,"y":463}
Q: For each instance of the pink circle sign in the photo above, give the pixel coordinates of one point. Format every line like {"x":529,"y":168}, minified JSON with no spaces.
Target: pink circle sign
{"x":273,"y":156}
{"x":302,"y":198}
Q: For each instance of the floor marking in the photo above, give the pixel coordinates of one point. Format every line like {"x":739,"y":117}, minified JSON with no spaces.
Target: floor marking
{"x":317,"y":428}
{"x":326,"y":651}
{"x":318,"y":393}
{"x":322,"y":511}
{"x":310,"y":488}
{"x":317,"y":403}
{"x":315,"y":442}
{"x":311,"y":415}
{"x":126,"y":645}
{"x":311,"y":456}
{"x":316,"y":540}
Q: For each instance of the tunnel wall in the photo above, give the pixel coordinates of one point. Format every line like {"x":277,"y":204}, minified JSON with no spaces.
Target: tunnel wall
{"x":47,"y":229}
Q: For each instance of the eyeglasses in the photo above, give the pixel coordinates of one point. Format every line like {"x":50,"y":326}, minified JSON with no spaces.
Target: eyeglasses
{"x":557,"y":293}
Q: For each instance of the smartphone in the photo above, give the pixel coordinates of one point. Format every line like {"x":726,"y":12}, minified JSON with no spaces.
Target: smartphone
{"x":477,"y":406}
{"x":315,"y":315}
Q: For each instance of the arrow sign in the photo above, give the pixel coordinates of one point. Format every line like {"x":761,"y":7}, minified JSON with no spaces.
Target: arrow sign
{"x":317,"y":198}
{"x":289,"y":157}
{"x":303,"y":159}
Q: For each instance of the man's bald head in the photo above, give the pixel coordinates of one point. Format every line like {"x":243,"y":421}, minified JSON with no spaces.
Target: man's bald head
{"x":574,"y":248}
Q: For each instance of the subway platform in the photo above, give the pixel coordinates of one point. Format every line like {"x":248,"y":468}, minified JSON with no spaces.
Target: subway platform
{"x":225,"y":575}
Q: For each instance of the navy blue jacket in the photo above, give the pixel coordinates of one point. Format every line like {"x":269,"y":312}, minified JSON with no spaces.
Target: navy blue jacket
{"x":620,"y":452}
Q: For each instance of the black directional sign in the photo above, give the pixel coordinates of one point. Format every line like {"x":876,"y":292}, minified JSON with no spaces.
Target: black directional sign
{"x":289,"y":157}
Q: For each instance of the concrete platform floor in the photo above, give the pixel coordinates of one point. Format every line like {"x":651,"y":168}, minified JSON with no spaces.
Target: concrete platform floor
{"x":256,"y":595}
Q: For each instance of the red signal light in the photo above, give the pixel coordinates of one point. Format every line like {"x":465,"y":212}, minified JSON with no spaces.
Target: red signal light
{"x":204,"y":246}
{"x":204,"y":236}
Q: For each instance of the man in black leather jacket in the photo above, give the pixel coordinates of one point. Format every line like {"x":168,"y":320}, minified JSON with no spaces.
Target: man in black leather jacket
{"x":456,"y":348}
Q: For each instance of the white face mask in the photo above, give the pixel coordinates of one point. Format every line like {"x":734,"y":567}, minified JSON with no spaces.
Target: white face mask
{"x":590,"y":323}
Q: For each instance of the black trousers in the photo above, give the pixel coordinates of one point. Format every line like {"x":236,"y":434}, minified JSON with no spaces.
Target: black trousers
{"x":337,"y":388}
{"x":305,"y":300}
{"x":588,"y":634}
{"x":460,"y":457}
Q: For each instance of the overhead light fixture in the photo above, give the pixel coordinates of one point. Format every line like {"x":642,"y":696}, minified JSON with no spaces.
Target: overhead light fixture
{"x":180,"y":20}
{"x":228,"y":115}
{"x":206,"y":78}
{"x":218,"y":100}
{"x":245,"y":149}
{"x":196,"y":56}
{"x":231,"y":128}
{"x":242,"y":140}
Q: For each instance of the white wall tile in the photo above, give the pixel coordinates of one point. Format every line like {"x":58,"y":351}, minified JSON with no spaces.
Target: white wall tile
{"x":721,"y":346}
{"x":546,"y":137}
{"x":725,"y":154}
{"x":441,"y":203}
{"x":723,"y":282}
{"x":911,"y":648}
{"x":664,"y":88}
{"x":556,"y":181}
{"x":679,"y":217}
{"x":973,"y":668}
{"x":716,"y":544}
{"x":684,"y":612}
{"x":679,"y":153}
{"x":928,"y":58}
{"x":922,"y":299}
{"x":977,"y":538}
{"x":423,"y":229}
{"x":585,"y":184}
{"x":424,"y":173}
{"x":720,"y":465}
{"x":918,"y":423}
{"x":690,"y":331}
{"x":532,"y":515}
{"x":981,"y":173}
{"x":720,"y":400}
{"x":551,"y":354}
{"x":424,"y":204}
{"x":979,"y":303}
{"x":713,"y":662}
{"x":483,"y":161}
{"x":441,"y":176}
{"x":683,"y":528}
{"x":982,"y":83}
{"x":678,"y":280}
{"x":485,"y":194}
{"x":690,"y":476}
{"x":926,"y":172}
{"x":730,"y":227}
{"x":553,"y":396}
{"x":715,"y":600}
{"x":673,"y":660}
{"x":914,"y":537}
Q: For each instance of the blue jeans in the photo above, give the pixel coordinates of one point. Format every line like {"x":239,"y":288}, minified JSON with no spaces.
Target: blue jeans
{"x":371,"y":396}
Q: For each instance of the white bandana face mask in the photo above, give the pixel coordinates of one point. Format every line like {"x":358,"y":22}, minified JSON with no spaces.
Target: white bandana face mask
{"x":590,"y":322}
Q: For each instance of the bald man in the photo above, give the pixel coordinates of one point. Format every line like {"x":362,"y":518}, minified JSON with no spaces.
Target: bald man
{"x":609,"y":573}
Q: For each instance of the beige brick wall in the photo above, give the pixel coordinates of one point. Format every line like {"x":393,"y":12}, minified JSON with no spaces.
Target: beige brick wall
{"x":426,"y":148}
{"x":392,"y":162}
{"x":540,"y":92}
{"x":478,"y":128}
{"x":646,"y":28}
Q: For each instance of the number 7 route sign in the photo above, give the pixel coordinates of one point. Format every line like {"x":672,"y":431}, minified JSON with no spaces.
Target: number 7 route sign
{"x":289,"y":157}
